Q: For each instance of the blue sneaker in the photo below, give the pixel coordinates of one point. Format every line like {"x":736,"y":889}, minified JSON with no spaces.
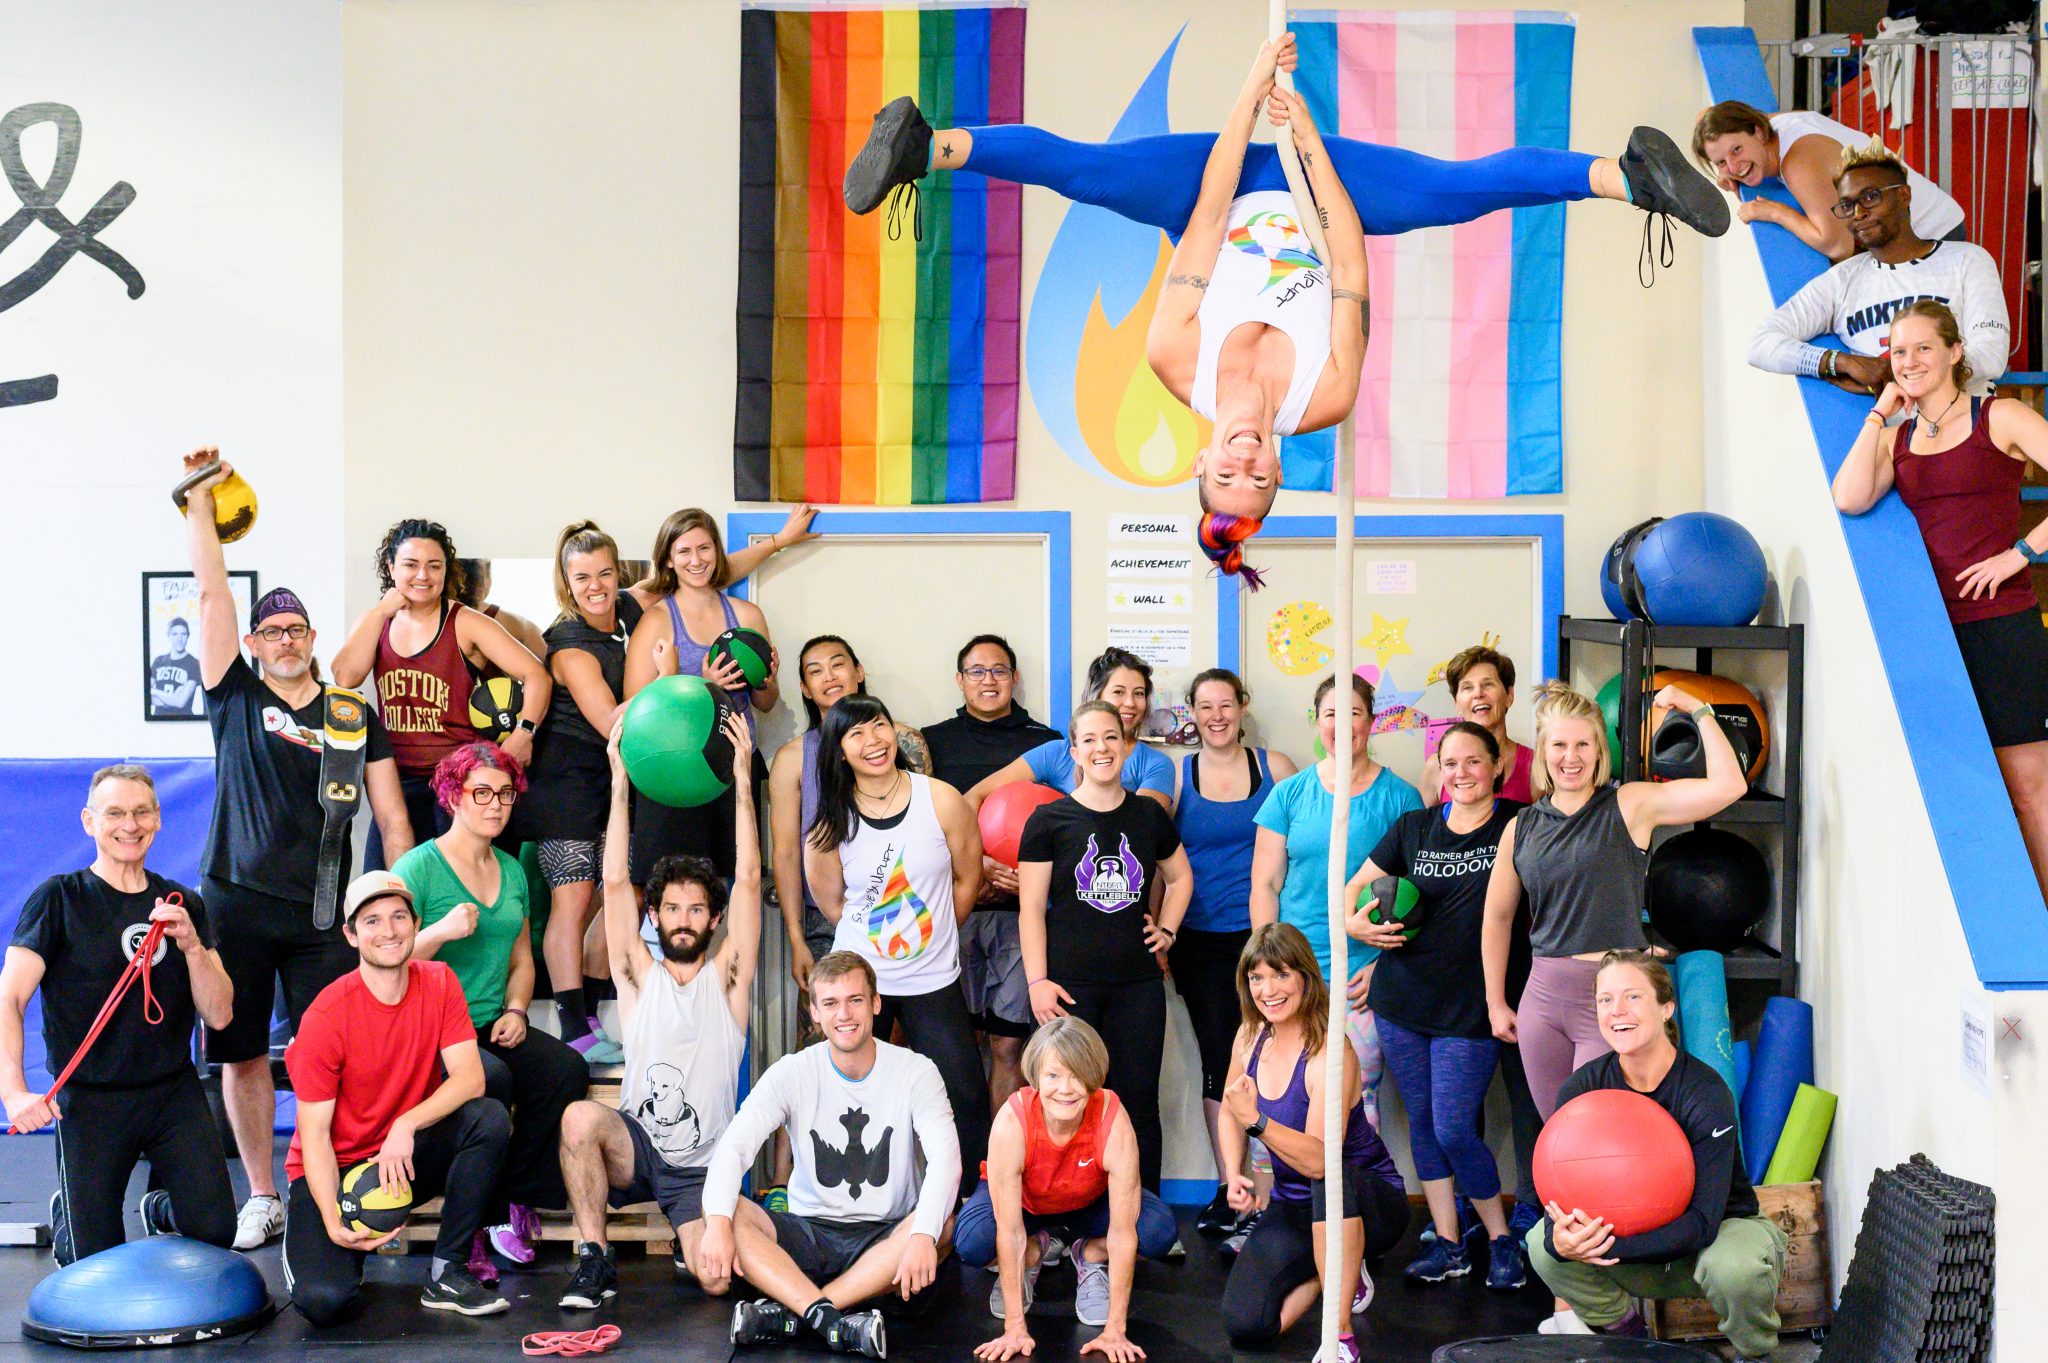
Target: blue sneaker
{"x":1507,"y":1268}
{"x":1525,"y":1215}
{"x":1437,"y":1262}
{"x":1469,"y":1228}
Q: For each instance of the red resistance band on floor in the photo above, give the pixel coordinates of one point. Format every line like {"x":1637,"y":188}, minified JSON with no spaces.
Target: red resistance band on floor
{"x":152,"y":1011}
{"x":570,"y":1343}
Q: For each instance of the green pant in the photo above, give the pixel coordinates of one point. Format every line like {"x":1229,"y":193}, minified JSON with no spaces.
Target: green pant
{"x":1738,"y":1275}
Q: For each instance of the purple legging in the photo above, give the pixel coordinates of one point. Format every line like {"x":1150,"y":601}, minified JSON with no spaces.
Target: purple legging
{"x":1558,"y":1028}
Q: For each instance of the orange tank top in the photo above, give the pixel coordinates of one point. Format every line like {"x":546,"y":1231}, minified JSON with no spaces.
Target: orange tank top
{"x":1062,"y":1178}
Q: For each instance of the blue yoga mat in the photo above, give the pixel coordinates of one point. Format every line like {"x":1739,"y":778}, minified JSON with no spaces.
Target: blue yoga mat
{"x":1702,"y":980}
{"x":1744,"y":1052}
{"x":1782,"y":1062}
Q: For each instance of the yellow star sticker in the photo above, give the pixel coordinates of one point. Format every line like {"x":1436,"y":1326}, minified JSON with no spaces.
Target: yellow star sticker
{"x":1122,"y":599}
{"x":1388,"y":639}
{"x":1180,"y":599}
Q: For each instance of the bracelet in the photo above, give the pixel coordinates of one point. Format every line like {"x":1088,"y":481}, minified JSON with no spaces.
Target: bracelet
{"x":1033,"y":984}
{"x":2029,"y":552}
{"x":1828,"y":362}
{"x":520,"y":1011}
{"x":1874,"y":415}
{"x":1707,"y":711}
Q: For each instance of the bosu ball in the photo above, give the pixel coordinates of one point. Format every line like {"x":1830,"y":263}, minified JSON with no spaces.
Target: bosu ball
{"x":165,"y":1289}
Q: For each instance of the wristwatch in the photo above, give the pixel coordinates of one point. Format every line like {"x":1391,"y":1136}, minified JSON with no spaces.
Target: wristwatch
{"x":2029,"y":552}
{"x":1257,"y":1128}
{"x":527,"y":726}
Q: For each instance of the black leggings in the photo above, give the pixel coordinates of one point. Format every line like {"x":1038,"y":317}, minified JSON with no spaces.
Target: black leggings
{"x":1205,"y":976}
{"x":105,"y":1130}
{"x":939,"y":1028}
{"x":1280,"y":1255}
{"x":535,"y":1081}
{"x":456,"y":1159}
{"x":1525,"y":1122}
{"x":1132,"y":1020}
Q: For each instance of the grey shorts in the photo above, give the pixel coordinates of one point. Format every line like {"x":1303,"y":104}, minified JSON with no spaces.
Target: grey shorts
{"x":992,"y":973}
{"x":821,"y":1249}
{"x":678,"y":1191}
{"x":570,"y":861}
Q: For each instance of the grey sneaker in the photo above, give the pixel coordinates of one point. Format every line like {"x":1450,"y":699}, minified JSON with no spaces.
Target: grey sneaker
{"x":996,"y":1306}
{"x":260,"y":1221}
{"x":155,"y":1209}
{"x":458,"y":1290}
{"x":860,"y":1332}
{"x":1091,"y":1289}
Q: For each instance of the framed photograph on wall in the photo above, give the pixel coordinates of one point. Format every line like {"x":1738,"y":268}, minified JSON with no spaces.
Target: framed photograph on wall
{"x":171,"y":685}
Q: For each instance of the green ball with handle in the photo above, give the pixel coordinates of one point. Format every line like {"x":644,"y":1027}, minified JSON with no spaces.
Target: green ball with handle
{"x":1399,"y":902}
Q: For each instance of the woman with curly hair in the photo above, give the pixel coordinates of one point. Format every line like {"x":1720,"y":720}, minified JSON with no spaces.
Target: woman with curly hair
{"x":471,"y":901}
{"x":426,"y":648}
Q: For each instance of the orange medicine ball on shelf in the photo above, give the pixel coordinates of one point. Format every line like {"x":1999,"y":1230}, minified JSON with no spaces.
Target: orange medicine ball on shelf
{"x":1676,"y":753}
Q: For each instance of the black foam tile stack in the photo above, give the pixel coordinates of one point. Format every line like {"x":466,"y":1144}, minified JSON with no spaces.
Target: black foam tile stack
{"x":1919,"y":1286}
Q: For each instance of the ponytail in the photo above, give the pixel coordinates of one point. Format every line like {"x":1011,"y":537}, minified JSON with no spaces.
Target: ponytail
{"x":1222,"y":538}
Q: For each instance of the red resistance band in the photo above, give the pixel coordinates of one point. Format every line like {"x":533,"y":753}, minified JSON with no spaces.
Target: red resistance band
{"x":152,"y":1011}
{"x":570,"y":1343}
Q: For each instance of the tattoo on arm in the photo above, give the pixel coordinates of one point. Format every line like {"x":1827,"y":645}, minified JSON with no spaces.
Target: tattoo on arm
{"x":1193,"y":281}
{"x":945,"y":151}
{"x":1357,"y":298}
{"x":1324,"y":214}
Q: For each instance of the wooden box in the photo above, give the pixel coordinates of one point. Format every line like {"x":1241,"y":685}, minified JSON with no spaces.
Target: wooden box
{"x":1805,"y":1294}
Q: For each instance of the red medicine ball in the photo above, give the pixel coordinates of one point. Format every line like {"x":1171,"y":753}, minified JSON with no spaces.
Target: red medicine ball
{"x":1003,"y":815}
{"x":1618,"y":1156}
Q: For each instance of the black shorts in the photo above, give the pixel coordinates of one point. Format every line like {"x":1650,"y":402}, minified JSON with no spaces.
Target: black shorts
{"x":825,"y":1249}
{"x":264,"y":939}
{"x":2007,"y":659}
{"x":679,"y":1192}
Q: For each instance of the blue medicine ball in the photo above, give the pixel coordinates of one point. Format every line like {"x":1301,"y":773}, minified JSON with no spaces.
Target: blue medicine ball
{"x":1611,"y":590}
{"x":161,"y":1290}
{"x":1695,"y":569}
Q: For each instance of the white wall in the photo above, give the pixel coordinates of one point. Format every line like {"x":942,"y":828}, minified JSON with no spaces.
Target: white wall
{"x":225,"y":116}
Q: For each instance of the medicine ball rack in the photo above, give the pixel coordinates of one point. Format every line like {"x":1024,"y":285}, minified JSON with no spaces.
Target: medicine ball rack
{"x":1638,"y":643}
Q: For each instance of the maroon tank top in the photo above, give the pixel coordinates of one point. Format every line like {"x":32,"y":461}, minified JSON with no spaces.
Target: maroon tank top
{"x":425,"y":698}
{"x":1967,"y":501}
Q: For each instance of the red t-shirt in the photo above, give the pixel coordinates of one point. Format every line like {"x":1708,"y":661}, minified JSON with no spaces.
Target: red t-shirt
{"x":374,"y":1061}
{"x":1063,"y":1178}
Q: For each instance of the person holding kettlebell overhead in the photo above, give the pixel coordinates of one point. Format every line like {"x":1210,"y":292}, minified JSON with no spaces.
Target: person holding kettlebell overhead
{"x":1581,"y":854}
{"x":1429,"y":997}
{"x":691,"y":572}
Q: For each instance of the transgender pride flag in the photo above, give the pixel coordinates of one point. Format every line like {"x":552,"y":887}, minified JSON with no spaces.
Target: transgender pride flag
{"x":1460,"y":395}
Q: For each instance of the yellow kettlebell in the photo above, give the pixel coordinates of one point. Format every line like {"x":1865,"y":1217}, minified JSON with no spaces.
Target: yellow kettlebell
{"x":234,"y":502}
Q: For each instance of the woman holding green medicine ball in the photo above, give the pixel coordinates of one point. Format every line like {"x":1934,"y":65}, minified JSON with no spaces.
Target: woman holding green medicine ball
{"x":1429,"y":995}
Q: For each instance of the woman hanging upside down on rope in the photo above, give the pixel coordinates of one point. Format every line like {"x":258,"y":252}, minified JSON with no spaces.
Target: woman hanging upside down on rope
{"x":1261,"y":338}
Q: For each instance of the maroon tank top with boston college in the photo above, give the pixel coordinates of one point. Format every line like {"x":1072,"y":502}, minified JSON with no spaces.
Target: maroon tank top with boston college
{"x":425,"y":698}
{"x":1967,"y":501}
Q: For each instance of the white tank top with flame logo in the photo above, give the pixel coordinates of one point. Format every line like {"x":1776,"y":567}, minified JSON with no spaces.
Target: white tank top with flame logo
{"x":899,"y":898}
{"x":1266,"y":272}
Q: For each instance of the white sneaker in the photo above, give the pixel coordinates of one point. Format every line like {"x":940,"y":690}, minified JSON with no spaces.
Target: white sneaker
{"x":260,"y":1221}
{"x":1564,"y":1322}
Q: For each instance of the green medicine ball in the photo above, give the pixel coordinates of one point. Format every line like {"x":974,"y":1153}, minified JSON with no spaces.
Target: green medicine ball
{"x":366,"y":1205}
{"x":1608,"y":698}
{"x":748,"y":648}
{"x":674,"y":750}
{"x":1399,"y":902}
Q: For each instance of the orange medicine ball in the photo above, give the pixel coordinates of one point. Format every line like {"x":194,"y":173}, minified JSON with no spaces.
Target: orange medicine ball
{"x":1736,"y":709}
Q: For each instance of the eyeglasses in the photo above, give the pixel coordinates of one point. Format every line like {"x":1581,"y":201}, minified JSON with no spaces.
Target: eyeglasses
{"x":483,"y":795}
{"x":146,"y":814}
{"x":1865,"y":202}
{"x":270,"y":634}
{"x":982,"y":674}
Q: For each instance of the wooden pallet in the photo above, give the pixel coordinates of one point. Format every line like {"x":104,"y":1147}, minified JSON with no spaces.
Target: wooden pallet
{"x":1805,"y":1294}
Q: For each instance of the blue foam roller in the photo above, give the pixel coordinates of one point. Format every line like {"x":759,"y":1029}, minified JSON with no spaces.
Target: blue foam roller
{"x":161,"y":1290}
{"x":1702,"y":980}
{"x":1782,"y":1061}
{"x":1743,"y":1053}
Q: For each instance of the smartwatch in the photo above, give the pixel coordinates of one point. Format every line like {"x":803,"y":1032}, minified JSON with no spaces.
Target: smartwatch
{"x":527,"y":726}
{"x":1257,"y":1128}
{"x":2029,"y":552}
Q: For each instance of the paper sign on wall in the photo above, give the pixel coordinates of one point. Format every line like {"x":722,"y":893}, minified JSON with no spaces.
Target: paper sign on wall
{"x":1128,"y":562}
{"x":1976,"y":1043}
{"x":1390,"y":577}
{"x":1159,"y":645}
{"x":1149,"y":598}
{"x":1153,"y":529}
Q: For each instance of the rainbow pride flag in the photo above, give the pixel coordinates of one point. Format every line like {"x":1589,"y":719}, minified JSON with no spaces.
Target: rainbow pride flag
{"x":874,"y":371}
{"x":1466,"y":320}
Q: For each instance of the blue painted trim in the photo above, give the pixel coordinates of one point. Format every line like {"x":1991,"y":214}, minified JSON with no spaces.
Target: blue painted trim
{"x":2026,"y":378}
{"x":1547,"y":532}
{"x":1055,"y":526}
{"x":2004,"y":919}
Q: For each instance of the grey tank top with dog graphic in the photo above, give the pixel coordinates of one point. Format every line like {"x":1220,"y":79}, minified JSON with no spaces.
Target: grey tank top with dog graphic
{"x":683,"y":1053}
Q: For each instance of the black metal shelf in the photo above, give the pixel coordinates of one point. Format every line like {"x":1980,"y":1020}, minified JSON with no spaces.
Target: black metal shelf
{"x":1639,"y":642}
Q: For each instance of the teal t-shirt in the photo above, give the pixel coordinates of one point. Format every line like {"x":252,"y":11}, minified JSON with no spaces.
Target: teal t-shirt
{"x":1145,"y":767}
{"x":1299,"y":810}
{"x":482,"y":961}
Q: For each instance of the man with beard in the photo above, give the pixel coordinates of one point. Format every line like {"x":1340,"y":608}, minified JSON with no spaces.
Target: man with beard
{"x":1894,"y":267}
{"x":683,"y":1020}
{"x":263,"y":848}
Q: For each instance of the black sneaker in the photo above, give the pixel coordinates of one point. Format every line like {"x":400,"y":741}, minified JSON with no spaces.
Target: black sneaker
{"x":155,"y":1210}
{"x":862,"y":1332}
{"x":1661,"y":180}
{"x":60,"y":1230}
{"x":458,"y":1290}
{"x":761,"y":1320}
{"x":1217,"y":1218}
{"x":1234,"y":1242}
{"x":596,"y":1279}
{"x":898,"y":152}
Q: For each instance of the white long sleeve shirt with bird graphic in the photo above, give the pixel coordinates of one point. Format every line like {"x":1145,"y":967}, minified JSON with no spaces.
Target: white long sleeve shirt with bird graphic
{"x":873,"y":1149}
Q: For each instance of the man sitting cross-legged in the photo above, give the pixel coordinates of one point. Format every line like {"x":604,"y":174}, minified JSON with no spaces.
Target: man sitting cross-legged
{"x":684,"y":1020}
{"x":860,"y":1114}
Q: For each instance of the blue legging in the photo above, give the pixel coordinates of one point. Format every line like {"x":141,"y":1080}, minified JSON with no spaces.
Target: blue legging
{"x":1154,"y":180}
{"x":974,"y":1229}
{"x":1442,"y":1081}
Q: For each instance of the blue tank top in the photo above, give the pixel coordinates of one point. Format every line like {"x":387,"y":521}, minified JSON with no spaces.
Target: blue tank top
{"x":1362,"y":1145}
{"x":1218,"y":835}
{"x":690,"y":653}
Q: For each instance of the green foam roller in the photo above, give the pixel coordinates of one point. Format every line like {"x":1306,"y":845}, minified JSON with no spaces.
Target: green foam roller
{"x":1806,"y":1131}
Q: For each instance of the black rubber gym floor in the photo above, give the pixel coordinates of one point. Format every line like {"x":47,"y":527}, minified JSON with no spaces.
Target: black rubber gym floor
{"x":1176,"y":1310}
